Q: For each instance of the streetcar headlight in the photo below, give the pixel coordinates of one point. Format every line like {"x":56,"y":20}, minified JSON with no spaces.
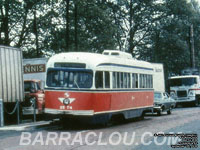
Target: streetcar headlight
{"x":66,"y":101}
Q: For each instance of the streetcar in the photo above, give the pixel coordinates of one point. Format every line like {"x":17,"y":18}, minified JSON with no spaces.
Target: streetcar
{"x":98,"y":86}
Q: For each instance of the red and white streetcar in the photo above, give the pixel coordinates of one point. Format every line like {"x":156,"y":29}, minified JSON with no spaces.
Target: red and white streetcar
{"x":98,"y":86}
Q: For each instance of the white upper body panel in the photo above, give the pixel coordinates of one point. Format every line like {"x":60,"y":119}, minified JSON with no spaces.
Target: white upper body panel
{"x":96,"y":61}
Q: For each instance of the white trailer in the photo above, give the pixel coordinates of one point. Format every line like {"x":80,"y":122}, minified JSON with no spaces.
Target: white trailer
{"x":158,"y":79}
{"x":34,"y":69}
{"x":11,"y":75}
{"x":11,"y":83}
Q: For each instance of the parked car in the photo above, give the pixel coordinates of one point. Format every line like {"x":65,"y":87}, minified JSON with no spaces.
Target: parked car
{"x":163,"y":103}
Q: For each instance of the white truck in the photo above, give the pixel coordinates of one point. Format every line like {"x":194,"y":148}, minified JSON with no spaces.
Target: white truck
{"x":186,"y":88}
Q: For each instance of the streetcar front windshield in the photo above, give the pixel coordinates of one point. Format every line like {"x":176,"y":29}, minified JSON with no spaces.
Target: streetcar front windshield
{"x":69,"y":78}
{"x":183,"y":82}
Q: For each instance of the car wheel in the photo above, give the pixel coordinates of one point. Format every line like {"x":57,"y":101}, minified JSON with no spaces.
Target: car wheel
{"x":196,"y":103}
{"x":169,"y":112}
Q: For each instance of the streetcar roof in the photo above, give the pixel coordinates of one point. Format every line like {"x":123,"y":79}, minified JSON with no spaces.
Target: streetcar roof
{"x":95,"y":60}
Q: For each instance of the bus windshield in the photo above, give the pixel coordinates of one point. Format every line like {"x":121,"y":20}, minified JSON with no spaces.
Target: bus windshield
{"x":69,"y":78}
{"x":183,"y":82}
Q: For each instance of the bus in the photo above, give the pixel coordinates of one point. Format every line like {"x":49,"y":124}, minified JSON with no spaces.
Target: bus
{"x":98,"y":86}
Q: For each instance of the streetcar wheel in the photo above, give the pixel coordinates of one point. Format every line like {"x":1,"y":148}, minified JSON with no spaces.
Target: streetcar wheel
{"x":142,"y":116}
{"x":159,"y":113}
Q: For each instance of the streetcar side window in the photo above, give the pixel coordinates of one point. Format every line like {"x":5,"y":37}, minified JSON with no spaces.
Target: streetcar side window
{"x":134,"y":80}
{"x":121,"y":80}
{"x":141,"y":81}
{"x":99,"y":79}
{"x":150,"y":84}
{"x":107,"y":79}
{"x":118,"y":79}
{"x":128,"y":80}
{"x":114,"y":79}
{"x":146,"y":81}
{"x":125,"y":80}
{"x":151,"y":81}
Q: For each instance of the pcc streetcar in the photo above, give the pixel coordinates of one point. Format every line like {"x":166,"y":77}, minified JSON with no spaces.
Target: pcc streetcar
{"x":98,"y":86}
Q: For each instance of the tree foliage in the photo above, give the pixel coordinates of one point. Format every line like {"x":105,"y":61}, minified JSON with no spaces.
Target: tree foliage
{"x":151,"y":30}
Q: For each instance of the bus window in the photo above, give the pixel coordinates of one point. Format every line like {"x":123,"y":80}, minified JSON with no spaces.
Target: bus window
{"x":99,"y":79}
{"x":107,"y":79}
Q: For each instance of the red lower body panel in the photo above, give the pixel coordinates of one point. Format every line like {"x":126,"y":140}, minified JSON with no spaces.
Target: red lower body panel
{"x":97,"y":101}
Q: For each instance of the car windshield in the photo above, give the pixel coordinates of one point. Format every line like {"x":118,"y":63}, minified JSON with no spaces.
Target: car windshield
{"x":69,"y":78}
{"x":183,"y":81}
{"x":157,"y":95}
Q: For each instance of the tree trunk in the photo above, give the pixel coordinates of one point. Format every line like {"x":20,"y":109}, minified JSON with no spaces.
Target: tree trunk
{"x":6,"y":24}
{"x":36,"y":34}
{"x":21,"y":38}
{"x":131,"y":27}
{"x":67,"y":25}
{"x":76,"y":27}
{"x":157,"y":47}
{"x":192,"y":57}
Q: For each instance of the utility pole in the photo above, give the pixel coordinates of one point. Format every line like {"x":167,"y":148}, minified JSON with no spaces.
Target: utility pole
{"x":76,"y":25}
{"x":36,"y":32}
{"x":192,"y":55}
{"x":67,"y":25}
{"x":131,"y":27}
